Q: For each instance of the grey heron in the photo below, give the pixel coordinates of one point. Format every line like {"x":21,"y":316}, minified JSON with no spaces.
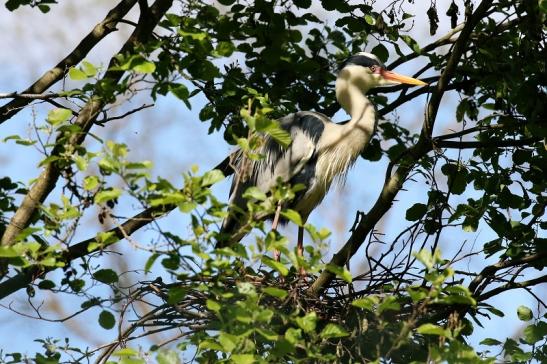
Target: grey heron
{"x":320,"y":151}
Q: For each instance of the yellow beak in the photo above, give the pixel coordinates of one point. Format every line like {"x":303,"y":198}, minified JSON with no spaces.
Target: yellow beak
{"x":392,"y":76}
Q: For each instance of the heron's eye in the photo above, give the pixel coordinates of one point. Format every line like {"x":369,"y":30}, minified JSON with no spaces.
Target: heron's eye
{"x":373,"y":68}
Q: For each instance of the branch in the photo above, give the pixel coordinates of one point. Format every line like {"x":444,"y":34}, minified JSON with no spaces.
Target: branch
{"x":492,"y":269}
{"x":512,"y":285}
{"x":48,"y":178}
{"x":132,"y":111}
{"x":446,"y":39}
{"x":79,"y":250}
{"x":403,"y":98}
{"x":394,"y":183}
{"x":15,"y":95}
{"x":469,"y":131}
{"x":485,"y":144}
{"x":101,"y":30}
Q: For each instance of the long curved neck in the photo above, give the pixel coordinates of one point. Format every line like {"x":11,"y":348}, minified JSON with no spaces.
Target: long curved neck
{"x":361,"y":110}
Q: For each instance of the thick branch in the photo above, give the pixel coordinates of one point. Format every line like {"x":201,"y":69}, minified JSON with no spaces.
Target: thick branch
{"x":15,"y":95}
{"x":86,"y":118}
{"x":101,"y":30}
{"x":395,"y":182}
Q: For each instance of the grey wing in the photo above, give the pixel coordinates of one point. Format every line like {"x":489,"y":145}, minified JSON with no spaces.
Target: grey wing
{"x":305,"y":129}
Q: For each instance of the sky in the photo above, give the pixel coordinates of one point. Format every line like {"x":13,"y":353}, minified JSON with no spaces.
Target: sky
{"x":173,"y":138}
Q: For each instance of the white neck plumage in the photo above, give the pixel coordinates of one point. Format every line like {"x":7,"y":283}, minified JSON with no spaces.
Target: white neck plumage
{"x":350,"y":92}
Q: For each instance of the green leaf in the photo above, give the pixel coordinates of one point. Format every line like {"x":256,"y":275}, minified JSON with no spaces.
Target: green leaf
{"x":209,"y":345}
{"x":176,"y":294}
{"x":458,"y":294}
{"x":168,"y":357}
{"x":278,"y":266}
{"x":228,"y":341}
{"x":89,"y":69}
{"x":535,"y":333}
{"x":180,"y":91}
{"x":8,"y":252}
{"x":369,"y":19}
{"x":212,"y":177}
{"x":366,"y":303}
{"x":524,"y":313}
{"x":293,"y":335}
{"x":91,"y":182}
{"x":425,"y":257}
{"x":76,"y":74}
{"x":150,"y":261}
{"x":144,"y":67}
{"x":107,"y":195}
{"x":495,"y":311}
{"x":246,"y":288}
{"x":106,"y":320}
{"x":293,"y":216}
{"x":125,"y":352}
{"x":193,"y":35}
{"x":243,"y":358}
{"x":389,"y":304}
{"x":107,"y":276}
{"x":490,"y":342}
{"x":275,"y":292}
{"x":12,"y":5}
{"x":254,"y":193}
{"x":416,"y":212}
{"x":57,"y":116}
{"x":282,"y":137}
{"x":303,"y":4}
{"x":81,"y":162}
{"x":91,"y":302}
{"x":213,"y":305}
{"x":381,"y":52}
{"x":46,"y":284}
{"x":268,"y":334}
{"x":225,"y":49}
{"x":308,"y":322}
{"x":332,"y":331}
{"x":340,"y":272}
{"x":430,"y":329}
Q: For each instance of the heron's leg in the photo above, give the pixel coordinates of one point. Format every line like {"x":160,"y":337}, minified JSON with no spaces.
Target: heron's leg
{"x":300,"y":247}
{"x":277,"y":254}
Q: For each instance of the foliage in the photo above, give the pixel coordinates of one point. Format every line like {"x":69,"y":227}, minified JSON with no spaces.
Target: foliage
{"x":253,"y":62}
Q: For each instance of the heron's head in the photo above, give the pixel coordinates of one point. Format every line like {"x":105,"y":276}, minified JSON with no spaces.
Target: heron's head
{"x":366,"y":71}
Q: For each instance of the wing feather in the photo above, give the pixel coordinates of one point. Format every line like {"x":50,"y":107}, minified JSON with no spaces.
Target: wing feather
{"x":281,"y":163}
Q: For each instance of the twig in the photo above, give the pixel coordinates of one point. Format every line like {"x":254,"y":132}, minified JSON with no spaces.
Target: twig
{"x":144,"y":106}
{"x":485,"y":144}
